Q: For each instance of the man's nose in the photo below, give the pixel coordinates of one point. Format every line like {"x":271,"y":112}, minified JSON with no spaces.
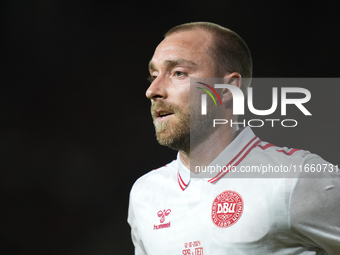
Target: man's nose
{"x":157,"y":89}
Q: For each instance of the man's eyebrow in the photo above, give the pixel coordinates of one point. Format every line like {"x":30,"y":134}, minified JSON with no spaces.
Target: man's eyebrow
{"x":175,"y":62}
{"x":151,"y":65}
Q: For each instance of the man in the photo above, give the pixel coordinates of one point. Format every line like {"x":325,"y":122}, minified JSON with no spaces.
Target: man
{"x":174,"y":211}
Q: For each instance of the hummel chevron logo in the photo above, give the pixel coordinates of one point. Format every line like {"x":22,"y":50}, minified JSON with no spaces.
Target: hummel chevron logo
{"x":162,"y":215}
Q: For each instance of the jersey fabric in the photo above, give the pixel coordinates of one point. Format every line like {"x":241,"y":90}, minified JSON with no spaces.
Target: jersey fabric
{"x":170,"y":212}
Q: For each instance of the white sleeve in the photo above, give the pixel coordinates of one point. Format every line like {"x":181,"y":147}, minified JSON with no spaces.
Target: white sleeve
{"x":137,"y":242}
{"x":315,"y":206}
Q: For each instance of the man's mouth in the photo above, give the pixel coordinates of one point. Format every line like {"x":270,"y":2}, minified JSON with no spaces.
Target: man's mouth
{"x":162,"y":114}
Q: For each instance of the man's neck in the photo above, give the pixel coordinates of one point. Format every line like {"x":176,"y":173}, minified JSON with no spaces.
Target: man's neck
{"x":210,"y":148}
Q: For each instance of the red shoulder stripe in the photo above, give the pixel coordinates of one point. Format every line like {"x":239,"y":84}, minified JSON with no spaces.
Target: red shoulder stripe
{"x":266,"y":146}
{"x":289,"y":152}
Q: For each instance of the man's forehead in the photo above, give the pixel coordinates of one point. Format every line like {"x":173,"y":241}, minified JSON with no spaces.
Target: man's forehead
{"x":173,"y":62}
{"x":181,"y":48}
{"x":196,"y":39}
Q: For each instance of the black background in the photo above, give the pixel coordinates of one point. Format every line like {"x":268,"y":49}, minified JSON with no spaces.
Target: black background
{"x":76,"y":131}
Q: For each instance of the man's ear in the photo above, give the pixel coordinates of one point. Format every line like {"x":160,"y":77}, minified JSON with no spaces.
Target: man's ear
{"x":232,"y":79}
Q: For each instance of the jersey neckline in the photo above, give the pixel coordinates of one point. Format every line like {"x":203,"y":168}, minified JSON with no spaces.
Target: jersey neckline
{"x":232,"y":155}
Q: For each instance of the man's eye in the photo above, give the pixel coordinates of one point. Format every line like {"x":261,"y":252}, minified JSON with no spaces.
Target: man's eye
{"x":179,"y":73}
{"x":151,"y":78}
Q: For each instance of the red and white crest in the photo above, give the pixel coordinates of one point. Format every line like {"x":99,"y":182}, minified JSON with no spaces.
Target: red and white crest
{"x":162,"y":214}
{"x":227,"y":209}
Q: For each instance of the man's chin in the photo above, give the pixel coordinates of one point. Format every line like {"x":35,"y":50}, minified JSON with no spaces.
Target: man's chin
{"x":174,"y":141}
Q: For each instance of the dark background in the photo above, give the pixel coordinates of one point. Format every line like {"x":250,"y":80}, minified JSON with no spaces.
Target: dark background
{"x":75,"y":125}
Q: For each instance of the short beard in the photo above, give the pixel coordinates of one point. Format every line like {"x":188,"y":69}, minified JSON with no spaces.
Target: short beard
{"x":191,"y":128}
{"x":175,"y":136}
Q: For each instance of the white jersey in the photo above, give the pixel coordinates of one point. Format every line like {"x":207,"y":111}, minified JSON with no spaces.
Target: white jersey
{"x":171,"y":213}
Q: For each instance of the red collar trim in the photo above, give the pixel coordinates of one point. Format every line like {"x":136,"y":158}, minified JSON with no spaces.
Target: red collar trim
{"x":237,"y":159}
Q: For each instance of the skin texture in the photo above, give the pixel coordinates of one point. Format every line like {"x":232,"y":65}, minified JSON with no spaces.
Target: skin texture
{"x":178,"y":58}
